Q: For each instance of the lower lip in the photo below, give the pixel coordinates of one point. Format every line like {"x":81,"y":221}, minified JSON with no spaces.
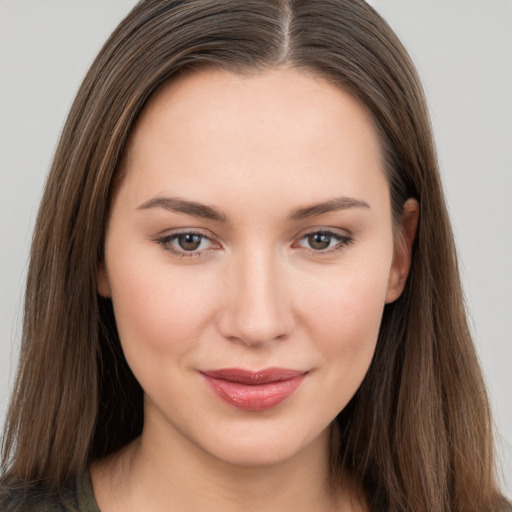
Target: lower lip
{"x":257,"y":397}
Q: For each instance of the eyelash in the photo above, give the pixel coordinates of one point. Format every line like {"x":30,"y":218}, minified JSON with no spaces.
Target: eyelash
{"x":165,"y":243}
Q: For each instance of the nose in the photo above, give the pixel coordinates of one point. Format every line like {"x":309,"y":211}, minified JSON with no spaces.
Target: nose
{"x":257,"y":310}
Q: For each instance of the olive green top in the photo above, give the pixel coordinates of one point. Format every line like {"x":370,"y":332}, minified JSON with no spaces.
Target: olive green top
{"x":77,"y":497}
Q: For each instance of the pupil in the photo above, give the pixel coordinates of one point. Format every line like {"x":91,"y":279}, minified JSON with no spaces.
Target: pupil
{"x":319,"y":241}
{"x":189,"y":242}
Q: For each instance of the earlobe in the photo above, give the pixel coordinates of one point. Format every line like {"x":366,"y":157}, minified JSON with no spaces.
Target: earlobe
{"x":102,"y":281}
{"x":403,"y":250}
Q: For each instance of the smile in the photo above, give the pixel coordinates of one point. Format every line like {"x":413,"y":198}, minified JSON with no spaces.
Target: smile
{"x":254,"y":391}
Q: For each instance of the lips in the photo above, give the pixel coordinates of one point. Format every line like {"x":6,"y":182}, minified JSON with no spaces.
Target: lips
{"x":254,"y":390}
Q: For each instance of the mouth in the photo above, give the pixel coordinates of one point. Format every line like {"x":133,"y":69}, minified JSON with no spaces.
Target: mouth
{"x":254,"y":390}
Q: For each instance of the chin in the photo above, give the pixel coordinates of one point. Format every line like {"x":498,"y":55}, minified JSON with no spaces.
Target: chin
{"x":261,"y":448}
{"x":262,"y":455}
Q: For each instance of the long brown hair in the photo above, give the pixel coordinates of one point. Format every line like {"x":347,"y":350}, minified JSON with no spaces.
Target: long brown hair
{"x":417,"y":436}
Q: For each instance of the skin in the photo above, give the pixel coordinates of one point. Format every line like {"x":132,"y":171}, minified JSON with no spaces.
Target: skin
{"x":257,"y":292}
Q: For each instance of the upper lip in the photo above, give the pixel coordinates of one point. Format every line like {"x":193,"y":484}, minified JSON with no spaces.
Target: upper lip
{"x":253,"y":377}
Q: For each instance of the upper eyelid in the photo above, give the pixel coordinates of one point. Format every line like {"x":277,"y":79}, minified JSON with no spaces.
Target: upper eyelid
{"x":320,"y":229}
{"x":183,"y":231}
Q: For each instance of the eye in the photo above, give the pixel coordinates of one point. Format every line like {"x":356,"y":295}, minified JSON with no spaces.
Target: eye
{"x":186,"y":244}
{"x":194,"y":244}
{"x":324,"y":241}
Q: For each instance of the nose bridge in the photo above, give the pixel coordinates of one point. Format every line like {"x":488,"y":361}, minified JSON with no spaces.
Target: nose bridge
{"x":258,"y":308}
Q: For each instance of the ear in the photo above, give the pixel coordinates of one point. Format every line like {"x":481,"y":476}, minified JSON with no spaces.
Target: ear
{"x":102,"y":281}
{"x":403,"y":250}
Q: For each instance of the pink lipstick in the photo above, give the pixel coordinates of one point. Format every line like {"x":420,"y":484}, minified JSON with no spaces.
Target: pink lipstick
{"x":254,"y":390}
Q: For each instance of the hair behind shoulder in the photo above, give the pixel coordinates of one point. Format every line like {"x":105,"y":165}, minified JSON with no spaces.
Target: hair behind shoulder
{"x":417,"y":436}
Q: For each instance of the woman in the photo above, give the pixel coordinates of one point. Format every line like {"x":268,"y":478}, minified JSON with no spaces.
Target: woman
{"x":234,"y":297}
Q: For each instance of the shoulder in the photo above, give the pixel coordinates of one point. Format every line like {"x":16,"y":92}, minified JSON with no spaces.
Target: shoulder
{"x":74,"y":497}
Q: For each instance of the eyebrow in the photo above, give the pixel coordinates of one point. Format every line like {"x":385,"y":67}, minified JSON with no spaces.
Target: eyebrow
{"x":331,"y":205}
{"x":178,"y":205}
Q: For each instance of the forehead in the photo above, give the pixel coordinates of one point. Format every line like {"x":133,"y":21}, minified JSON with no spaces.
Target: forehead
{"x":300,"y":94}
{"x":211,"y":130}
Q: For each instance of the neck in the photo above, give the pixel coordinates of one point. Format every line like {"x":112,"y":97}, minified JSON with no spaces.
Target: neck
{"x":177,"y":475}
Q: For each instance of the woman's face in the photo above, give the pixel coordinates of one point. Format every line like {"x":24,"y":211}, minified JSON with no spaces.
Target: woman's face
{"x":249,"y":255}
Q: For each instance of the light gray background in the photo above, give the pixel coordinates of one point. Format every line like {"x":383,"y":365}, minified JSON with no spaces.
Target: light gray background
{"x":463,"y":51}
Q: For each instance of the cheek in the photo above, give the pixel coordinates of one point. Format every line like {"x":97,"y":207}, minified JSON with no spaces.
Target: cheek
{"x":159,"y":308}
{"x":348,"y":301}
{"x":347,"y":326}
{"x":344,"y":320}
